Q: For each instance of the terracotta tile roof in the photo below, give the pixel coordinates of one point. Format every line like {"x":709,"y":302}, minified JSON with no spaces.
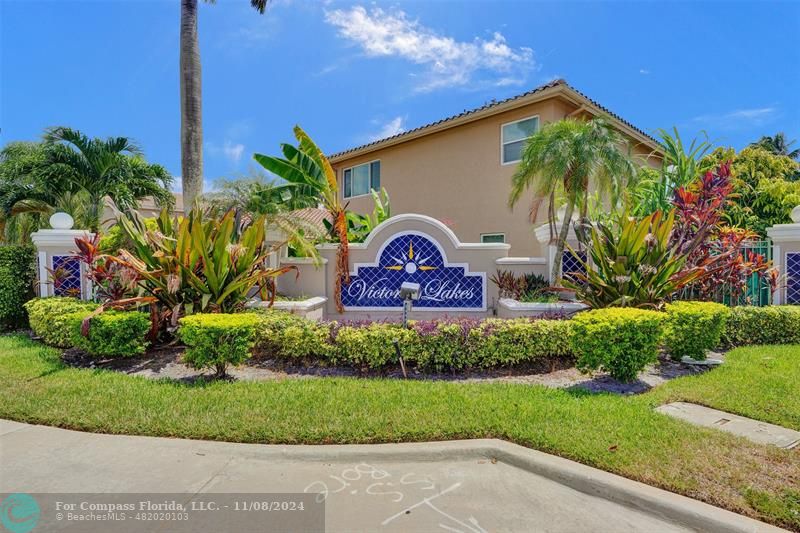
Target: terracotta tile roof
{"x":314,"y":216}
{"x":496,"y":103}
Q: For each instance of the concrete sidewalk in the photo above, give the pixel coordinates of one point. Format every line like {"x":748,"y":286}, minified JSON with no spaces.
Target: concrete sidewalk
{"x":754,"y":430}
{"x":470,"y":486}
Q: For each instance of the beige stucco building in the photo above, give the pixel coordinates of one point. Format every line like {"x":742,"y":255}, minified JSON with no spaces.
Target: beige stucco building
{"x":459,"y":169}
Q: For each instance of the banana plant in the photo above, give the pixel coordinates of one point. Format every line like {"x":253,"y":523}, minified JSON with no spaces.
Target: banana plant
{"x":306,"y":170}
{"x":194,"y":265}
{"x":360,"y":226}
{"x":632,"y":264}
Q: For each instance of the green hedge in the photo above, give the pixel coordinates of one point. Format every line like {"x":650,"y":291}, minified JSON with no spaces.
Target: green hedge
{"x":621,"y":341}
{"x":17,"y":275}
{"x":501,"y":342}
{"x":776,"y":324}
{"x":111,"y":333}
{"x":427,"y":345}
{"x":51,"y":318}
{"x":218,"y":340}
{"x":693,"y":328}
{"x":287,"y":336}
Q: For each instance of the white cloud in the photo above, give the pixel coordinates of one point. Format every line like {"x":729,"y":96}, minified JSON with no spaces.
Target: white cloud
{"x":390,"y":129}
{"x":229,"y":150}
{"x":448,"y":62}
{"x":233,"y":151}
{"x":739,"y":118}
{"x":644,"y":71}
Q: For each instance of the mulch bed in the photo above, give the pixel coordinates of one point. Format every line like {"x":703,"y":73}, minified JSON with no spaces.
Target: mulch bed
{"x":164,"y":362}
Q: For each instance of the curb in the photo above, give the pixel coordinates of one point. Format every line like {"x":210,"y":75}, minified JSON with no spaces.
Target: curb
{"x":683,"y":510}
{"x":657,"y":502}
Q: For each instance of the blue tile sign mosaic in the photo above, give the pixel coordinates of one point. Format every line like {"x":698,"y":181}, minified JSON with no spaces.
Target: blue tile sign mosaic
{"x":793,"y":278}
{"x":68,"y":280}
{"x":414,"y":257}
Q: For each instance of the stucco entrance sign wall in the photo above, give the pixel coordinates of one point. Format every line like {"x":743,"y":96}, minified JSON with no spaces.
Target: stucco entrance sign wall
{"x":417,"y":257}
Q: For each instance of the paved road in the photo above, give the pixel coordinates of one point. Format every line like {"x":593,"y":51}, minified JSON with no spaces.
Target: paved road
{"x":470,"y":486}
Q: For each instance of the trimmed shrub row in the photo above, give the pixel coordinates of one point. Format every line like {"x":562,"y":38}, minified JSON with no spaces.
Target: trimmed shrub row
{"x":51,"y":318}
{"x":428,"y":345}
{"x":694,"y":328}
{"x":777,"y":324}
{"x":111,"y":333}
{"x":621,"y":341}
{"x":17,"y":274}
{"x":217,"y":340}
{"x":58,"y":320}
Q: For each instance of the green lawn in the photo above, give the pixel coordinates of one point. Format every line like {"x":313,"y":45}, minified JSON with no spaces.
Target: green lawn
{"x":618,"y":434}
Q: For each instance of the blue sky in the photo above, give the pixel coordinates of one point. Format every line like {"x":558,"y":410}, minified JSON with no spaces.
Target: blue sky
{"x":351,"y":72}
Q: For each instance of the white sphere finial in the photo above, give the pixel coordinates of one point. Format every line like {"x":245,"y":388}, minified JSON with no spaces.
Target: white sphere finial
{"x":795,"y":214}
{"x":61,"y":221}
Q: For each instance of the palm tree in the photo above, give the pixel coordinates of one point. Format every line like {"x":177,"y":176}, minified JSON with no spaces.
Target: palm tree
{"x":191,"y":100}
{"x":72,"y":172}
{"x":778,"y":145}
{"x":563,"y":159}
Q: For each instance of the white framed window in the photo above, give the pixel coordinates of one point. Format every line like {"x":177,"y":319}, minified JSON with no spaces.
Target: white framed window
{"x":493,"y":237}
{"x":360,"y":179}
{"x":513,"y":136}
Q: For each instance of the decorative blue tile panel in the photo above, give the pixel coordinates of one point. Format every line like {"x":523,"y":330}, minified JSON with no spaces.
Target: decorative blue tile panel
{"x":414,"y":257}
{"x":67,"y":281}
{"x":570,"y":264}
{"x":793,"y":278}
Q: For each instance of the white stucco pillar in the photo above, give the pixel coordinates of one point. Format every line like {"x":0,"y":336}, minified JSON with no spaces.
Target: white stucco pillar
{"x":786,"y":257}
{"x":56,"y":249}
{"x":543,"y":236}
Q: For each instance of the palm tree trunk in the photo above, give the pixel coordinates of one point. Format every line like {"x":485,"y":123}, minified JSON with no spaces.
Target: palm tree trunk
{"x":191,"y":106}
{"x":555,"y":274}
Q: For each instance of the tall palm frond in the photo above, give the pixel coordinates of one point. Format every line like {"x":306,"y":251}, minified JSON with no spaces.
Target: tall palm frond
{"x":566,"y":159}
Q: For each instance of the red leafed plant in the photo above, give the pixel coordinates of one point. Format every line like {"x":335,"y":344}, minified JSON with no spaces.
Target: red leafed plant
{"x":111,"y":280}
{"x":719,"y":251}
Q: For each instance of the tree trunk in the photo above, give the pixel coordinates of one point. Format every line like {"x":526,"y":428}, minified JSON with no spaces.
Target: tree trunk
{"x":191,"y":106}
{"x":555,"y":274}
